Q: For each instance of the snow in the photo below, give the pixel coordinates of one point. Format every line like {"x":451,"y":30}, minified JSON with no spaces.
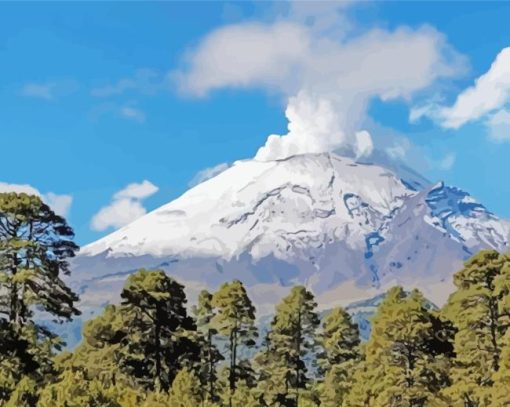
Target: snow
{"x":345,"y":229}
{"x":275,"y":200}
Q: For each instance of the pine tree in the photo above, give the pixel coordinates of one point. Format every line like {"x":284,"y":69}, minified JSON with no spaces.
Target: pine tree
{"x":234,"y":320}
{"x":209,"y":354}
{"x":405,"y":362}
{"x":103,"y":339}
{"x":339,"y":340}
{"x":26,"y":394}
{"x":499,"y":393}
{"x":290,"y":341}
{"x":35,"y":245}
{"x":158,"y":342}
{"x":185,"y":391}
{"x":74,"y":389}
{"x":480,"y":311}
{"x":243,"y":395}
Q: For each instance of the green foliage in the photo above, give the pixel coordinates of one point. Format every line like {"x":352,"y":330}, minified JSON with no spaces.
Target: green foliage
{"x":234,"y":320}
{"x":500,"y":393}
{"x":35,"y":245}
{"x":244,"y":396}
{"x":98,"y":353}
{"x":340,"y":342}
{"x":185,"y":390}
{"x":209,"y":353}
{"x":339,"y":339}
{"x":405,"y":364}
{"x":157,"y":327}
{"x":147,"y":351}
{"x":480,"y":312}
{"x":290,"y":340}
{"x":74,"y":389}
{"x":26,"y":394}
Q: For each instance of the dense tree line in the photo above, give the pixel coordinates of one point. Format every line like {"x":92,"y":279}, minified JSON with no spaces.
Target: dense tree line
{"x":150,"y":350}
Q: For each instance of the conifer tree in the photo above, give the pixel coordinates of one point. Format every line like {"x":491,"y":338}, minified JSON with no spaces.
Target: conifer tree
{"x":480,"y":311}
{"x":35,"y":245}
{"x":339,"y":340}
{"x":75,"y":389}
{"x":500,"y":394}
{"x":243,"y":395}
{"x":290,"y":341}
{"x":405,"y":362}
{"x":185,"y":391}
{"x":102,"y":340}
{"x":25,"y":394}
{"x":158,"y":342}
{"x":209,"y":354}
{"x":234,"y":320}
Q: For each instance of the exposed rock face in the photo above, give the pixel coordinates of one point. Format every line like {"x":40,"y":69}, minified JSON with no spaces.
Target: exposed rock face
{"x":346,"y":230}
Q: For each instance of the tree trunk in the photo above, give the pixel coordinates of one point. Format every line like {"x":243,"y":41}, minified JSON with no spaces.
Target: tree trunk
{"x":493,"y":331}
{"x":157,"y":338}
{"x":231,"y":374}
{"x":298,"y":357}
{"x":14,"y":311}
{"x":211,"y":366}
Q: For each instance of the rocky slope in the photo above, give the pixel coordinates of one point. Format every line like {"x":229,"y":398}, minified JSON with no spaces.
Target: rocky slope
{"x":345,"y":229}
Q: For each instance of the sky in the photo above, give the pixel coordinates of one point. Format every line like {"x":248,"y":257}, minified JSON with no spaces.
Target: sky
{"x":109,"y":110}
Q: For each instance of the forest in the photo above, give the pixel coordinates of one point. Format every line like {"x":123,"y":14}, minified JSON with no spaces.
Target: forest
{"x":154,"y":349}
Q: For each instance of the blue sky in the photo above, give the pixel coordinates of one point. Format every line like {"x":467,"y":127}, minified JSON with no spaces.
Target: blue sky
{"x":91,"y":103}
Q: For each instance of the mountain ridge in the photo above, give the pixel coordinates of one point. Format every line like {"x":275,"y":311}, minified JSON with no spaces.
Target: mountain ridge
{"x":346,"y":229}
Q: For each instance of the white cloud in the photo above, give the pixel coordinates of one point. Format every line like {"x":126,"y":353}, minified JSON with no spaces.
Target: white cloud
{"x":499,"y":126}
{"x":145,"y":81}
{"x":396,"y":151}
{"x":327,"y":78}
{"x":132,"y":113}
{"x":244,"y":55}
{"x":490,"y":92}
{"x":117,"y":214}
{"x":137,"y":191}
{"x":19,"y":188}
{"x":37,"y":90}
{"x":49,"y":90}
{"x":126,"y":206}
{"x":208,"y":173}
{"x":60,"y":204}
{"x":447,"y":162}
{"x":364,"y":144}
{"x":444,"y":163}
{"x":428,"y":109}
{"x":128,"y":111}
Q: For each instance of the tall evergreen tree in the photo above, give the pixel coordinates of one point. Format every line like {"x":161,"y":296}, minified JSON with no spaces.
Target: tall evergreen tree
{"x":102,"y":340}
{"x":158,"y":341}
{"x":339,"y":340}
{"x":290,"y":341}
{"x":500,"y":394}
{"x":234,"y":320}
{"x":405,"y":362}
{"x":185,"y":391}
{"x":75,"y":389}
{"x":35,"y":245}
{"x":209,"y":354}
{"x":480,"y":311}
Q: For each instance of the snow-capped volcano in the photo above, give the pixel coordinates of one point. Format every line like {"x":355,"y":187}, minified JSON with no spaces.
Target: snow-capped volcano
{"x":345,"y":229}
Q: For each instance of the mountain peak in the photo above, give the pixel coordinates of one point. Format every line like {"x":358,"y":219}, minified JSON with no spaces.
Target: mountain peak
{"x":346,"y":229}
{"x":258,"y":199}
